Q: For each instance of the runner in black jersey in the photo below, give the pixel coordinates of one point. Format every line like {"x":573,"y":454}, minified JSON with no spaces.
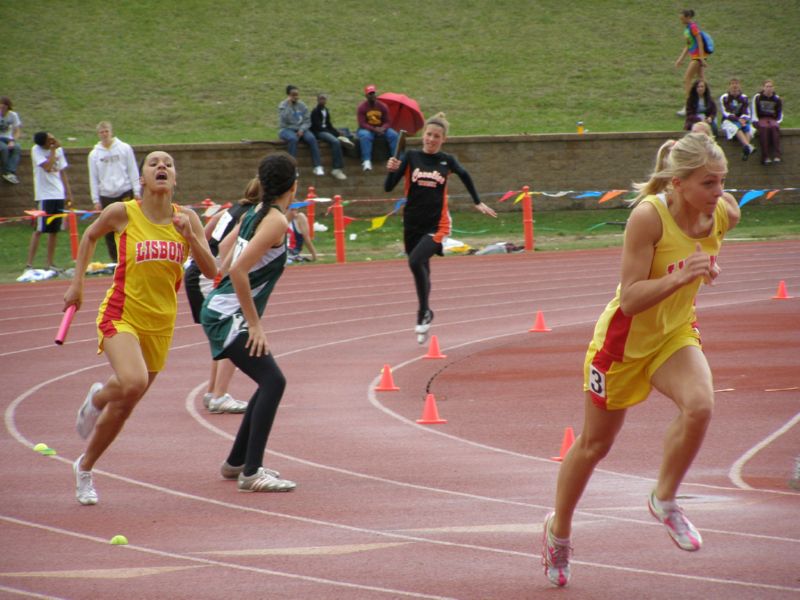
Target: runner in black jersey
{"x":426,"y":218}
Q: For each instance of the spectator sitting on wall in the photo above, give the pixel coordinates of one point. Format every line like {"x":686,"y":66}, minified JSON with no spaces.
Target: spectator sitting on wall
{"x":700,"y":106}
{"x":10,"y":132}
{"x":322,"y":127}
{"x":373,"y":121}
{"x":767,"y":117}
{"x":736,"y":117}
{"x":294,"y":121}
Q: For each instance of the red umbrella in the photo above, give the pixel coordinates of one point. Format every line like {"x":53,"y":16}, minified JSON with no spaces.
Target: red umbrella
{"x":404,"y":112}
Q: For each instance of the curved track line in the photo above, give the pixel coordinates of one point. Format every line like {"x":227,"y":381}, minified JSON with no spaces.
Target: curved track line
{"x":374,"y":401}
{"x":735,"y":474}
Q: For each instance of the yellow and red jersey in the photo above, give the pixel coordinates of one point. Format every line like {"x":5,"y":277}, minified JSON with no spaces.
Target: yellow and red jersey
{"x":148,"y":275}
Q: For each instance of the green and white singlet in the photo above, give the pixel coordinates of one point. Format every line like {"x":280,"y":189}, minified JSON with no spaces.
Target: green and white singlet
{"x":222,"y":317}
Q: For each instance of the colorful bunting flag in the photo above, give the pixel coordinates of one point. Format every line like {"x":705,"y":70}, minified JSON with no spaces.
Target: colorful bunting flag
{"x":609,"y":195}
{"x":751,"y":195}
{"x":378,"y":222}
{"x":508,"y":195}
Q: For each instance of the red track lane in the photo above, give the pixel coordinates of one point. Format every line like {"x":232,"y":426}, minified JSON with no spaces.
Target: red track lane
{"x":386,"y":508}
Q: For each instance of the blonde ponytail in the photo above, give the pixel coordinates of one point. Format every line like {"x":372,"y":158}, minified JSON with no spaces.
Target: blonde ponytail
{"x":679,"y":159}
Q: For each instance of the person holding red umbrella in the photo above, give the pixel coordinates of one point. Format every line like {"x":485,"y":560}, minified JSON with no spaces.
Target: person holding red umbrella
{"x":426,"y":218}
{"x":373,"y":121}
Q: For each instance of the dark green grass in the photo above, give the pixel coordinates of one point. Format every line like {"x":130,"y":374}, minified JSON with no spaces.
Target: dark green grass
{"x":198,"y":71}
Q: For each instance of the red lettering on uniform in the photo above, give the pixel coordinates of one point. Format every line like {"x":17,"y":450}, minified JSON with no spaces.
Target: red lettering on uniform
{"x":160,"y":250}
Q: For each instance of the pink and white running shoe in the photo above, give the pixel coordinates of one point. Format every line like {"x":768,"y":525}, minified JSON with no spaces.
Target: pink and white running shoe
{"x":679,"y":527}
{"x":555,"y":555}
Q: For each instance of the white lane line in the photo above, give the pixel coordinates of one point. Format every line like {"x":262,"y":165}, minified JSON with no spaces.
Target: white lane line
{"x":735,"y":474}
{"x":219,"y":563}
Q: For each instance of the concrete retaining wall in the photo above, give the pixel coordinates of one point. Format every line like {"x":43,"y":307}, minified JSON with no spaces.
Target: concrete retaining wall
{"x":594,"y":161}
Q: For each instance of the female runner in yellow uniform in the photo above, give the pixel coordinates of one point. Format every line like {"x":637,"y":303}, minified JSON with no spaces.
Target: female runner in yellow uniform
{"x":647,"y":337}
{"x":137,"y":317}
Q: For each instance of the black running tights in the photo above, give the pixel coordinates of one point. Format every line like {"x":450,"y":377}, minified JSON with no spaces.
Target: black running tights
{"x":419,"y":261}
{"x":251,"y":440}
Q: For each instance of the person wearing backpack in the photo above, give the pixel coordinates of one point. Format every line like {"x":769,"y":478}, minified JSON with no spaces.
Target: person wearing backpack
{"x":697,"y":51}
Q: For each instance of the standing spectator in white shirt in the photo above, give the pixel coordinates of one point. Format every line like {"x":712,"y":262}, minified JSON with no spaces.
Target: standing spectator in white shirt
{"x":113,"y":175}
{"x":51,"y":190}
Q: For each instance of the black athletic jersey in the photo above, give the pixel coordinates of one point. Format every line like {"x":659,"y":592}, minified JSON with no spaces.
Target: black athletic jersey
{"x":426,"y":209}
{"x":225,"y":225}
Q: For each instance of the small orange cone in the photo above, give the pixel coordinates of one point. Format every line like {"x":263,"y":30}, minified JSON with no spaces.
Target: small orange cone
{"x":781,"y":293}
{"x":433,"y":350}
{"x":430,"y":414}
{"x":566,"y":444}
{"x":539,"y":324}
{"x":387,"y":383}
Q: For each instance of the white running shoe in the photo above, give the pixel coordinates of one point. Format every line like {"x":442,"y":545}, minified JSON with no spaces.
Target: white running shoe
{"x":226,"y":404}
{"x":366,"y":165}
{"x":555,"y":556}
{"x":339,"y":174}
{"x":207,"y":398}
{"x":84,"y":488}
{"x":319,"y":171}
{"x":88,"y":413}
{"x":262,"y":481}
{"x":424,"y":322}
{"x":679,"y":528}
{"x":423,"y":326}
{"x":681,"y":112}
{"x":228,"y":471}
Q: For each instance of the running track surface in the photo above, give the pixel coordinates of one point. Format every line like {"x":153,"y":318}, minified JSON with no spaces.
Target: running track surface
{"x":386,"y":508}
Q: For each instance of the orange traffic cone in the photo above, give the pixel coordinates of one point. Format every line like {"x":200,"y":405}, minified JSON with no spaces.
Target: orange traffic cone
{"x":433,"y":350}
{"x":387,"y":383}
{"x":430,"y":414}
{"x":539,"y":324}
{"x":781,"y":293}
{"x":566,"y":444}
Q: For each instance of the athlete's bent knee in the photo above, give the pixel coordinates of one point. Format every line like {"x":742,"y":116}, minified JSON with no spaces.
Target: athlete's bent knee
{"x":698,"y":408}
{"x":595,"y":450}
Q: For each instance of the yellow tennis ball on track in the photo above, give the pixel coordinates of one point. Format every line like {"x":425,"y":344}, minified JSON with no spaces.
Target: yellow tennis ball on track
{"x":39,"y":447}
{"x":119,"y":540}
{"x":48,"y":452}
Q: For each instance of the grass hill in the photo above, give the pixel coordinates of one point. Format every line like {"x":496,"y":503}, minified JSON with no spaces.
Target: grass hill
{"x":195,"y":70}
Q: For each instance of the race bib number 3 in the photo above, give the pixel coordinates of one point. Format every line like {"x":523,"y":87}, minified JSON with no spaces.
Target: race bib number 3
{"x":597,"y":381}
